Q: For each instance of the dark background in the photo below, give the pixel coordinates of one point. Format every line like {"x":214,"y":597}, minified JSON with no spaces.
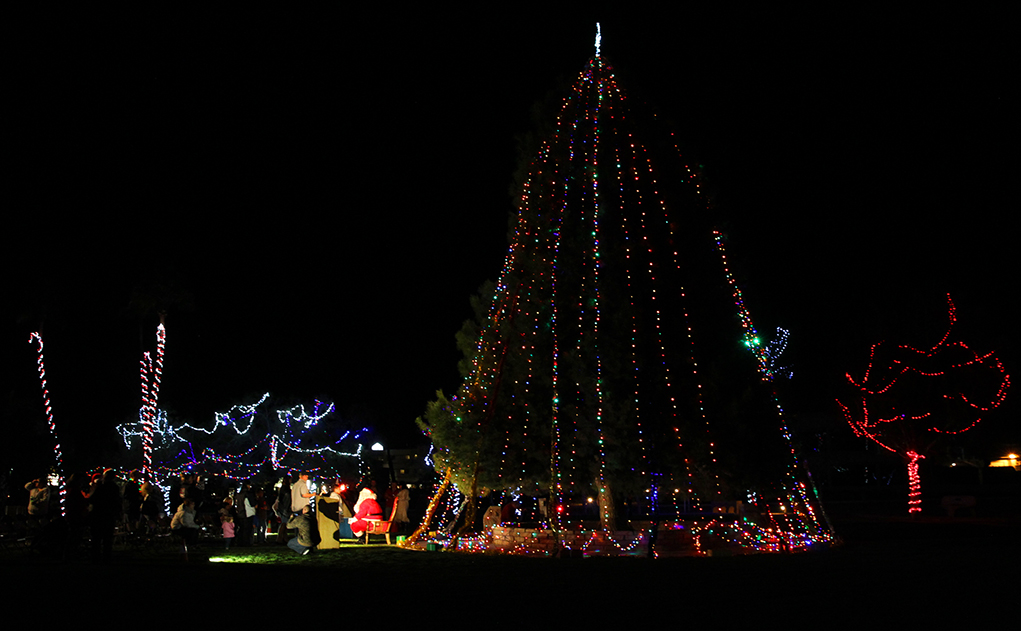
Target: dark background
{"x":318,"y":194}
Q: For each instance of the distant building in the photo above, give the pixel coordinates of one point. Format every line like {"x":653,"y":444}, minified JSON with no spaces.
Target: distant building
{"x":408,"y":465}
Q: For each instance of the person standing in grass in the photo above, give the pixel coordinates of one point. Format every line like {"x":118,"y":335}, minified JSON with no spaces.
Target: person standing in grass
{"x":227,"y":524}
{"x":282,"y":508}
{"x":183,"y":525}
{"x":300,"y":494}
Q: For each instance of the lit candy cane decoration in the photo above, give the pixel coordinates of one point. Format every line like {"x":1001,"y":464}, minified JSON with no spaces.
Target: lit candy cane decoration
{"x":150,"y":399}
{"x":145,"y":416}
{"x":49,"y":419}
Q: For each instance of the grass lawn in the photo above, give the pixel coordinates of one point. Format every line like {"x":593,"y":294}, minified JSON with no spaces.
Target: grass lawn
{"x":887,"y":570}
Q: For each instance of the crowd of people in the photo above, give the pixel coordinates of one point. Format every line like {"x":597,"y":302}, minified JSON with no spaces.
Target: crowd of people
{"x":200,"y":508}
{"x":85,"y":511}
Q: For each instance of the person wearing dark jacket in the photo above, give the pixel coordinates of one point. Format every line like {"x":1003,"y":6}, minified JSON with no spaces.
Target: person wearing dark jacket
{"x":303,"y":542}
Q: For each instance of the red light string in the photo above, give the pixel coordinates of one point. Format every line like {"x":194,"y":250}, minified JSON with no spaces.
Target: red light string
{"x":893,"y":421}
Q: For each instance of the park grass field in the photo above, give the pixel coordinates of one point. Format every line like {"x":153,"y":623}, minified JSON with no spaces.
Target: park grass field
{"x":885,"y":570}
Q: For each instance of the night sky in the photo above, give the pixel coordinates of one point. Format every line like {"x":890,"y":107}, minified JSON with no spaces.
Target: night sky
{"x":324,"y":192}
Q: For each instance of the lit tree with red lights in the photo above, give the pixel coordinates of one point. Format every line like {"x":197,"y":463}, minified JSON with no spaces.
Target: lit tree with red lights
{"x":910,"y":398}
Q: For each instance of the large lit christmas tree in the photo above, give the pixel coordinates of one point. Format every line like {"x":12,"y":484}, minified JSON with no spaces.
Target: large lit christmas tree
{"x":614,"y":363}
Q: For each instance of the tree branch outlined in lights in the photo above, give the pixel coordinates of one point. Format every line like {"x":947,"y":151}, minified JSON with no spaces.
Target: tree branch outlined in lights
{"x":909,"y":397}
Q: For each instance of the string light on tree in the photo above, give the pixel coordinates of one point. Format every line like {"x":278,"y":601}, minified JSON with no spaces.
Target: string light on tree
{"x":774,"y":350}
{"x":583,"y":359}
{"x":909,"y":397}
{"x":296,"y":442}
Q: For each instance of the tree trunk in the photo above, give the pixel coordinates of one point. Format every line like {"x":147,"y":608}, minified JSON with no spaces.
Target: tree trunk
{"x":607,"y":514}
{"x":914,"y":484}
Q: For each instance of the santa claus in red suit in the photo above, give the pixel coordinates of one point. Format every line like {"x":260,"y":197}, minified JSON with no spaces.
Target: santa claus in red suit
{"x":366,"y":509}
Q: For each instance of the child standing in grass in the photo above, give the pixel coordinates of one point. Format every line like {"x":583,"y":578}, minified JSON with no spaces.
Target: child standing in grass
{"x":227,"y":523}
